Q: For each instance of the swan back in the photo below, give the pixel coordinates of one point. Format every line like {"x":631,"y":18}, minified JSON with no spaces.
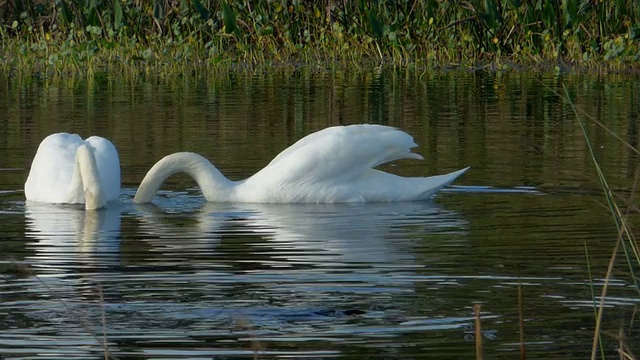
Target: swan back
{"x":52,"y":170}
{"x":56,"y":177}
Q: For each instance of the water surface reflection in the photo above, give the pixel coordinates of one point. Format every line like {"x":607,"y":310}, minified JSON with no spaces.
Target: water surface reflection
{"x":66,"y":237}
{"x":267,"y":273}
{"x":188,"y":279}
{"x":300,"y":234}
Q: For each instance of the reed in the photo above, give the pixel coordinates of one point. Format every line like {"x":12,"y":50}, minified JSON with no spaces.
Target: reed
{"x":24,"y":269}
{"x":174,"y":37}
{"x":521,"y":322}
{"x":478,"y":332}
{"x":625,"y":239}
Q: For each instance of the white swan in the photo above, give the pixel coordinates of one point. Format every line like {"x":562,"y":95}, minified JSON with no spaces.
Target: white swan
{"x":334,"y":165}
{"x":69,"y":170}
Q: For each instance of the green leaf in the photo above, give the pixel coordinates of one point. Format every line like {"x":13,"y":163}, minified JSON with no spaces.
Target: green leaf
{"x":432,"y":6}
{"x":184,"y":5}
{"x":375,"y":24}
{"x":158,"y":9}
{"x":117,"y":11}
{"x":229,"y":18}
{"x":569,"y":12}
{"x":622,"y":7}
{"x":548,"y":14}
{"x":92,"y":18}
{"x":66,"y":11}
{"x":204,"y":13}
{"x":491,"y":14}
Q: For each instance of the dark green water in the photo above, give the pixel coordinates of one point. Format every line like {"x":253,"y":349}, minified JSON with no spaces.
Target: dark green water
{"x":186,"y":279}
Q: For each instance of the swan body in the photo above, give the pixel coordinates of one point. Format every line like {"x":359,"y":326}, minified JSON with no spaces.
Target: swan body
{"x":70,"y":170}
{"x":334,"y":165}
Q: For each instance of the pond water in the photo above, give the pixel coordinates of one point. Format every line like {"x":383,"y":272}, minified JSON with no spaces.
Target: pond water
{"x":183,"y":278}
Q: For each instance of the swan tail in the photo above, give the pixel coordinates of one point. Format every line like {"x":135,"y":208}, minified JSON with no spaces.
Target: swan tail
{"x":438,"y":182}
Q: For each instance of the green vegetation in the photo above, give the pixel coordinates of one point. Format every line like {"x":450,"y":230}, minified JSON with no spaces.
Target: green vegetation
{"x":166,"y":37}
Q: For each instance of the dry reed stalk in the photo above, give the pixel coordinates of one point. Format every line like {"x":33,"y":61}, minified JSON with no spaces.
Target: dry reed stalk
{"x":26,"y":269}
{"x":104,"y":324}
{"x":476,"y":309}
{"x":521,"y":321}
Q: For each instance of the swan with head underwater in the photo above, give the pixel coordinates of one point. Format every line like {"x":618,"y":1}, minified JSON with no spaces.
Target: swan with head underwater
{"x":70,"y":170}
{"x":334,"y":165}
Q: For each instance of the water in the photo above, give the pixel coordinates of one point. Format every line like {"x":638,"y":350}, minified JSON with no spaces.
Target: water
{"x":186,"y":279}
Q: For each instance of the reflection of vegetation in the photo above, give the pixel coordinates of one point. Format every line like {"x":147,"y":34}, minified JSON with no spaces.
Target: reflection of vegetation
{"x":170,"y":36}
{"x":496,"y":123}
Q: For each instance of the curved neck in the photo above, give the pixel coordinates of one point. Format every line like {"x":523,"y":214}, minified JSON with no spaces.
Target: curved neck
{"x":214,"y":186}
{"x":86,"y":179}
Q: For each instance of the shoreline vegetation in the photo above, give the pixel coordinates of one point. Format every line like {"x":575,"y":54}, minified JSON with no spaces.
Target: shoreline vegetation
{"x":176,"y":37}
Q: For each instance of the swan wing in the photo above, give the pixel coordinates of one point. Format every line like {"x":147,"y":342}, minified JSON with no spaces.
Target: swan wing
{"x":383,"y":143}
{"x":52,"y":169}
{"x":336,"y":155}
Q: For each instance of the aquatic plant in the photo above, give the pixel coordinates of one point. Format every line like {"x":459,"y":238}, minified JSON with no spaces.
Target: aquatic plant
{"x":169,"y":37}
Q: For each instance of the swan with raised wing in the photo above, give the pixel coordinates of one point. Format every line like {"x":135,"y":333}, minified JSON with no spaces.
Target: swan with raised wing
{"x":334,"y":165}
{"x":70,"y":170}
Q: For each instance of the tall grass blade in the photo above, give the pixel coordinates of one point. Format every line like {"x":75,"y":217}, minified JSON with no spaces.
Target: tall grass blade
{"x":593,"y":295}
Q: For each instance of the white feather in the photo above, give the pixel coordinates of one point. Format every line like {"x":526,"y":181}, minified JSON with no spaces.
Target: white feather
{"x":330,"y":166}
{"x":67,"y":169}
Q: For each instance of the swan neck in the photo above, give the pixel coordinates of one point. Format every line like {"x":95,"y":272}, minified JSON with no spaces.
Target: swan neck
{"x":214,"y":185}
{"x":86,"y":178}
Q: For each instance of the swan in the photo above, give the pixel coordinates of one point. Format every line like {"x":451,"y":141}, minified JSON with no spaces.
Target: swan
{"x":70,"y":170}
{"x":333,"y":165}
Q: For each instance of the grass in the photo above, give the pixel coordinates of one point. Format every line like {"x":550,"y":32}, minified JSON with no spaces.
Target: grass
{"x":176,"y":37}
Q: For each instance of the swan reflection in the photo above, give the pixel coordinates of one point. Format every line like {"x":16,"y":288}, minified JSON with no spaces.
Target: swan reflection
{"x":68,"y":237}
{"x":288,"y":234}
